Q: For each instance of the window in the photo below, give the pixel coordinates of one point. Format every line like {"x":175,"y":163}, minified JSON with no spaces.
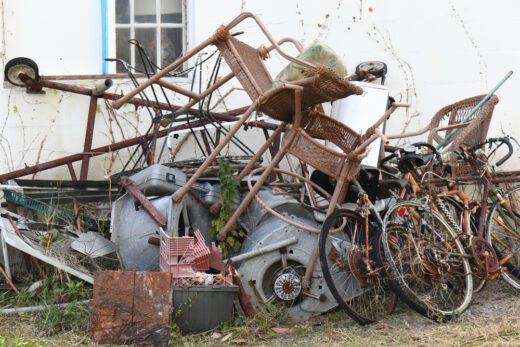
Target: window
{"x":158,"y":25}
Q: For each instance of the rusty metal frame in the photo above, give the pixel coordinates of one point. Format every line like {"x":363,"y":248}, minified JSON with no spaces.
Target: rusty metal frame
{"x":139,"y":197}
{"x":88,"y":152}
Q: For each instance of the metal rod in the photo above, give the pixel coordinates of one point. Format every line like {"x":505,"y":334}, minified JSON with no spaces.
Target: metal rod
{"x":99,"y":151}
{"x":117,"y":104}
{"x":89,"y":135}
{"x":40,"y":307}
{"x":111,"y":96}
{"x":262,"y":250}
{"x":8,"y":280}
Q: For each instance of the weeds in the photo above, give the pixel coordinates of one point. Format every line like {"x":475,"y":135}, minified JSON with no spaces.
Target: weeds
{"x":229,"y":185}
{"x":53,"y":320}
{"x":73,"y":317}
{"x":17,"y":342}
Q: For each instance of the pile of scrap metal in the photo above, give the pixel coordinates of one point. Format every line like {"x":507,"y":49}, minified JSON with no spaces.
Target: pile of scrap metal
{"x":163,"y":220}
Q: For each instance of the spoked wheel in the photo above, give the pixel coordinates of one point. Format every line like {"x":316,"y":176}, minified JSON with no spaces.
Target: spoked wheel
{"x":348,"y":268}
{"x":503,"y":232}
{"x":427,"y":265}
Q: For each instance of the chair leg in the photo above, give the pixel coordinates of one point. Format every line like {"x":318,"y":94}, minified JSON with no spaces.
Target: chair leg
{"x":249,"y":197}
{"x":339,"y":195}
{"x":215,"y":208}
{"x":177,"y":197}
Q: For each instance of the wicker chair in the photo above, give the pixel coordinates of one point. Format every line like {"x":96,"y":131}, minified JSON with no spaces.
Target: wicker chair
{"x":471,"y":131}
{"x":452,"y":118}
{"x":296,"y":103}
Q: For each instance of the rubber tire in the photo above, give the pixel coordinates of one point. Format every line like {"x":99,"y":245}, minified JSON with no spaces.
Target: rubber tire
{"x":402,"y":290}
{"x":327,"y":225}
{"x":20,"y":61}
{"x":512,"y":276}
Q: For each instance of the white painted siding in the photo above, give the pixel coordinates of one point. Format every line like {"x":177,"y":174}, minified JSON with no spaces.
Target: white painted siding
{"x":437,"y":51}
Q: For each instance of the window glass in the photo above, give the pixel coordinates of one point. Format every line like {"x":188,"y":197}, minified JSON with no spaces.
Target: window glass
{"x":147,"y":39}
{"x":145,"y":11}
{"x":158,"y":25}
{"x":171,"y":45}
{"x":122,"y":47}
{"x":171,"y":11}
{"x":122,"y":12}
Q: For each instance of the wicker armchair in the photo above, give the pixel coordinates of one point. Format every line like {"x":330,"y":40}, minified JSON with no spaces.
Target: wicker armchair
{"x":294,"y":103}
{"x":448,"y":119}
{"x":471,"y":131}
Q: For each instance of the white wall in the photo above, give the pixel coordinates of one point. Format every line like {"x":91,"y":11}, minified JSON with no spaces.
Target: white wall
{"x":437,"y":52}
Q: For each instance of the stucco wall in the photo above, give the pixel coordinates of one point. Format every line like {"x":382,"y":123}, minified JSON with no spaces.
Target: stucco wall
{"x":437,"y":52}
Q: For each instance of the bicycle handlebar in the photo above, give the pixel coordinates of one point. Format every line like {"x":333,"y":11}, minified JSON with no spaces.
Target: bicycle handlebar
{"x":417,"y":145}
{"x":503,"y":140}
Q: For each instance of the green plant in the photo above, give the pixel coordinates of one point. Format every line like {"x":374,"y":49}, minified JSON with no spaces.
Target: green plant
{"x":17,"y":342}
{"x":55,"y":320}
{"x":175,"y":334}
{"x":229,"y":185}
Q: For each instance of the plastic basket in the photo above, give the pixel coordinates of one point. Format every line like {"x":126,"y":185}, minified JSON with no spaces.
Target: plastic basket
{"x":47,"y":210}
{"x":201,"y":252}
{"x":184,"y":250}
{"x":177,"y":270}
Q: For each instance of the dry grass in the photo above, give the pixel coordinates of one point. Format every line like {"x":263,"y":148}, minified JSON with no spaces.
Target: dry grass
{"x":493,"y":319}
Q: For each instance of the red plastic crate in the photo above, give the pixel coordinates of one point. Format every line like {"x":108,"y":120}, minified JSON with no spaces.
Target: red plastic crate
{"x":177,"y":270}
{"x":180,"y":246}
{"x":184,"y":250}
{"x":201,"y":252}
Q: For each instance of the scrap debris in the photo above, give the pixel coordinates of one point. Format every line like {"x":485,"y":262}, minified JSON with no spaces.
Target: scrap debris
{"x":152,"y":245}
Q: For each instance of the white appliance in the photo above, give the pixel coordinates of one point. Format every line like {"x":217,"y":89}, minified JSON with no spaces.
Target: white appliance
{"x":359,"y":112}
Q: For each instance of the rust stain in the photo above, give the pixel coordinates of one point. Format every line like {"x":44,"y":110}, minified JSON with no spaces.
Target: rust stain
{"x":131,"y":307}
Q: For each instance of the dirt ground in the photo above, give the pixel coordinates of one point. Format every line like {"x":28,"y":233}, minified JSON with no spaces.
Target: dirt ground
{"x":492,"y":320}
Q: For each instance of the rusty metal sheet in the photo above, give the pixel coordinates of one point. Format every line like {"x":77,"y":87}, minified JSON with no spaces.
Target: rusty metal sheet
{"x":131,"y":307}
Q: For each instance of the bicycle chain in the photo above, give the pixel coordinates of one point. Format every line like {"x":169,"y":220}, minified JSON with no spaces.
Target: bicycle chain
{"x":449,"y":216}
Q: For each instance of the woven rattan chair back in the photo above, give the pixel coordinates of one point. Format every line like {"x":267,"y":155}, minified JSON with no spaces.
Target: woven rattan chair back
{"x":456,"y":113}
{"x":305,"y":147}
{"x":246,"y":63}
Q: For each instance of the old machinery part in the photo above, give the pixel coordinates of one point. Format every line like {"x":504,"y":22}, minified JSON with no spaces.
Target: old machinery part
{"x":292,"y":222}
{"x":485,"y":257}
{"x":275,"y":275}
{"x":378,"y":69}
{"x":288,"y":285}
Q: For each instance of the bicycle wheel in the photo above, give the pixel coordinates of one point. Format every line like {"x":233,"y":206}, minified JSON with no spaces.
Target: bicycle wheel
{"x":349,"y":271}
{"x":503,"y":232}
{"x":427,"y":265}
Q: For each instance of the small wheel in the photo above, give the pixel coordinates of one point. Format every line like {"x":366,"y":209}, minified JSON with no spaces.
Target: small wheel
{"x":427,"y":265}
{"x":349,"y":270}
{"x":16,"y":66}
{"x":375,"y":68}
{"x":503,"y":232}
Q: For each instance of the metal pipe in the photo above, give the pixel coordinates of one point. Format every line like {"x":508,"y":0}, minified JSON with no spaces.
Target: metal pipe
{"x":65,"y":87}
{"x":99,"y":151}
{"x":89,"y":136}
{"x":102,"y":86}
{"x":262,"y":250}
{"x":40,"y":307}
